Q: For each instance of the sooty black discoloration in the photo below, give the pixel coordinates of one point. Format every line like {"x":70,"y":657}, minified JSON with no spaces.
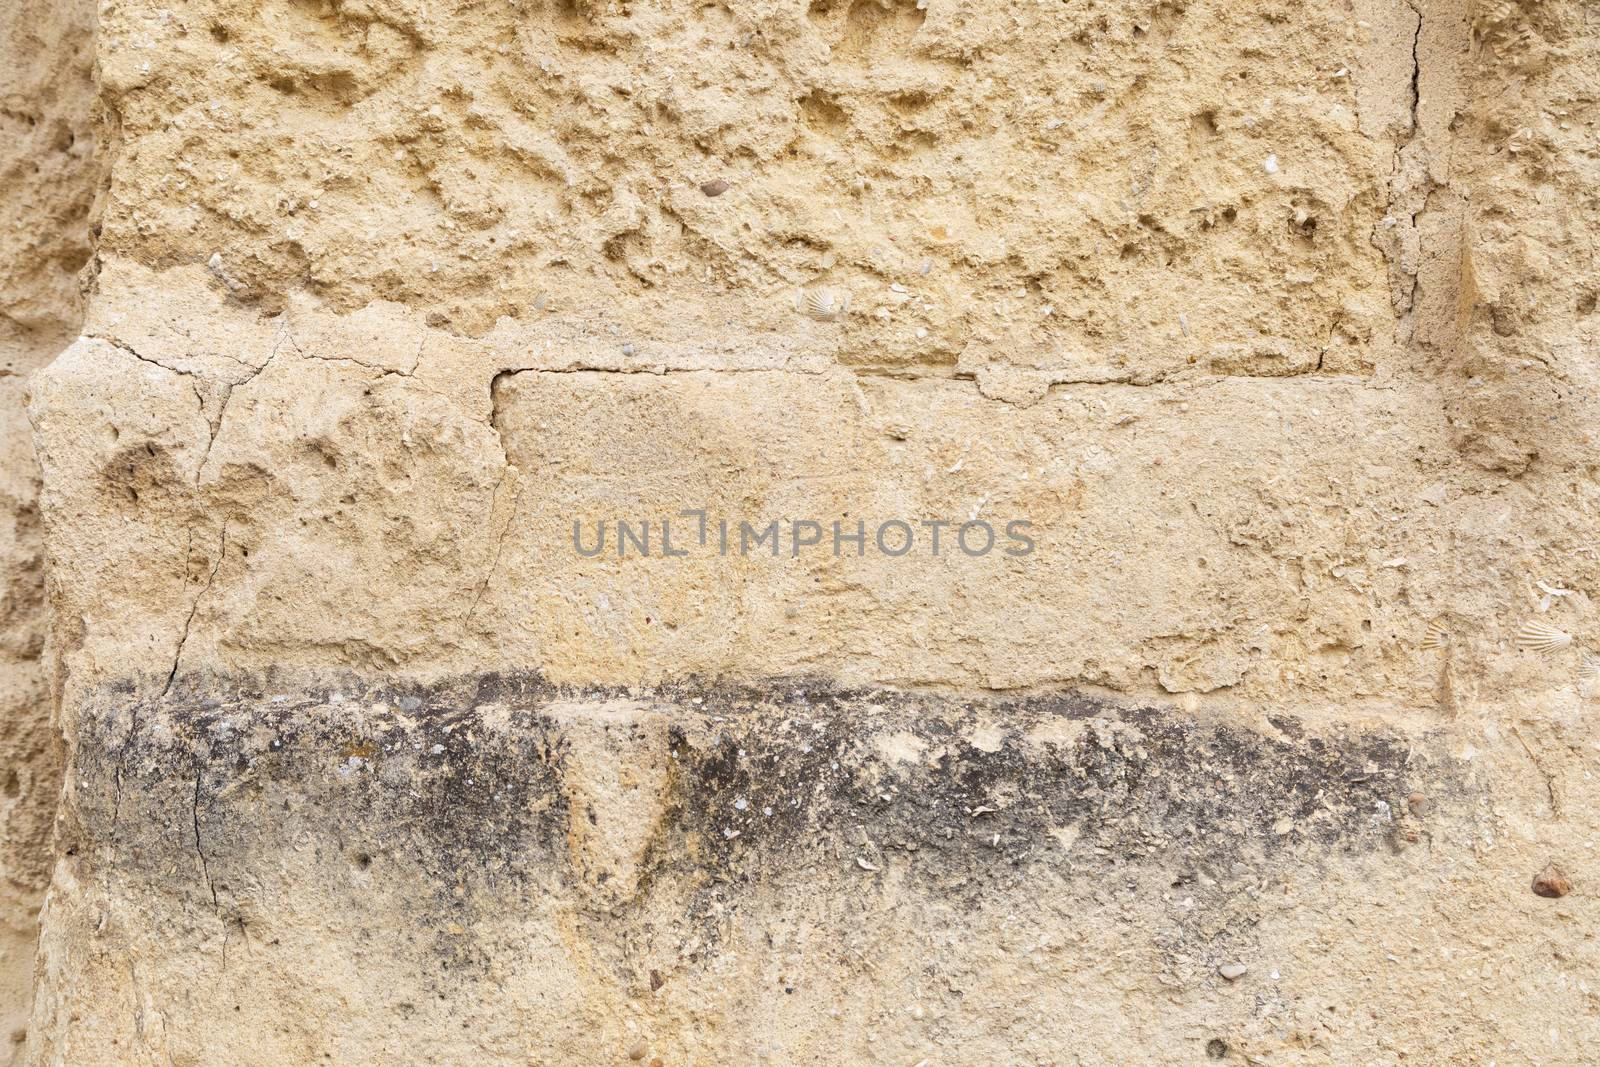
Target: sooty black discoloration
{"x":464,"y":784}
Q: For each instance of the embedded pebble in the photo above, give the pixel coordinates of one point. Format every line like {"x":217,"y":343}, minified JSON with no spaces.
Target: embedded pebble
{"x":715,"y":187}
{"x":1552,"y":882}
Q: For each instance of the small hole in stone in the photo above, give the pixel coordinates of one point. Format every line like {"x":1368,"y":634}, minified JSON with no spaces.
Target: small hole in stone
{"x":13,"y":785}
{"x":1216,"y":1048}
{"x":363,"y":861}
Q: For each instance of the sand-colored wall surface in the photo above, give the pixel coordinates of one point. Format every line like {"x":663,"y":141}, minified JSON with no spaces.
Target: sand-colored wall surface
{"x":834,"y":533}
{"x":48,"y":181}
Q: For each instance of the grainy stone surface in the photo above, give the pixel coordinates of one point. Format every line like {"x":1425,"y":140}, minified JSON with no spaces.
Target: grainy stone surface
{"x":1274,"y":321}
{"x":769,"y":854}
{"x":48,"y":179}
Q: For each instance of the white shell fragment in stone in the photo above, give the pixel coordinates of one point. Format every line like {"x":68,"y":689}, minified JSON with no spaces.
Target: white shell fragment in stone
{"x":1552,"y":593}
{"x":824,"y":305}
{"x":1435,"y":636}
{"x":1589,"y":668}
{"x":214,"y":265}
{"x":1536,"y":636}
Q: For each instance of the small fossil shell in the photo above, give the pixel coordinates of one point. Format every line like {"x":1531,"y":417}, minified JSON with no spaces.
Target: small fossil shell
{"x":1536,"y":636}
{"x":824,"y":305}
{"x":1589,"y":668}
{"x":1435,"y":636}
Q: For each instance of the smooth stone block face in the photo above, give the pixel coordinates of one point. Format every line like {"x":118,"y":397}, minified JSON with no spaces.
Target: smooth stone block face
{"x":1235,"y":507}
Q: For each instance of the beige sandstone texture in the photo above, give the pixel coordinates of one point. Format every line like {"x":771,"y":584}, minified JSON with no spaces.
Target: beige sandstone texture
{"x":1274,"y":322}
{"x":48,"y":180}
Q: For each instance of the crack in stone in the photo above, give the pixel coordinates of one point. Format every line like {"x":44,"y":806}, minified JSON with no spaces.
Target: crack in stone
{"x":121,"y":766}
{"x":1544,"y":773}
{"x":499,"y":543}
{"x":199,"y":848}
{"x":656,"y":369}
{"x":227,"y":395}
{"x":130,"y":350}
{"x":194,"y":608}
{"x":1416,"y":133}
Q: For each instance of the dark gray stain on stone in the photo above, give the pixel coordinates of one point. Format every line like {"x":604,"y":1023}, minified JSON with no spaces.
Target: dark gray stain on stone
{"x":460,"y":786}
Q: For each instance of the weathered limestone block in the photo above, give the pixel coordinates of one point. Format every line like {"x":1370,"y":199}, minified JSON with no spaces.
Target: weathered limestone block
{"x":267,"y":873}
{"x":1263,"y":537}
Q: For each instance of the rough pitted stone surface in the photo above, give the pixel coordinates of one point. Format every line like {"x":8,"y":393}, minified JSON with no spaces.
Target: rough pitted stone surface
{"x":1273,"y":323}
{"x":48,"y":180}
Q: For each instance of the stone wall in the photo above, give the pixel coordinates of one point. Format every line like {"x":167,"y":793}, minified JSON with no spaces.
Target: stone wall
{"x":48,"y":181}
{"x":1266,"y":736}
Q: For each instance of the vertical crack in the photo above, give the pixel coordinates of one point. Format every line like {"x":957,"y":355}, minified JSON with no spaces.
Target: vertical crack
{"x":1544,"y":773}
{"x":495,"y":385}
{"x":199,"y":847}
{"x":1416,"y":176}
{"x":228,"y":391}
{"x":194,"y":608}
{"x":1416,"y":73}
{"x":1421,"y":202}
{"x":499,"y":544}
{"x":122,"y":763}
